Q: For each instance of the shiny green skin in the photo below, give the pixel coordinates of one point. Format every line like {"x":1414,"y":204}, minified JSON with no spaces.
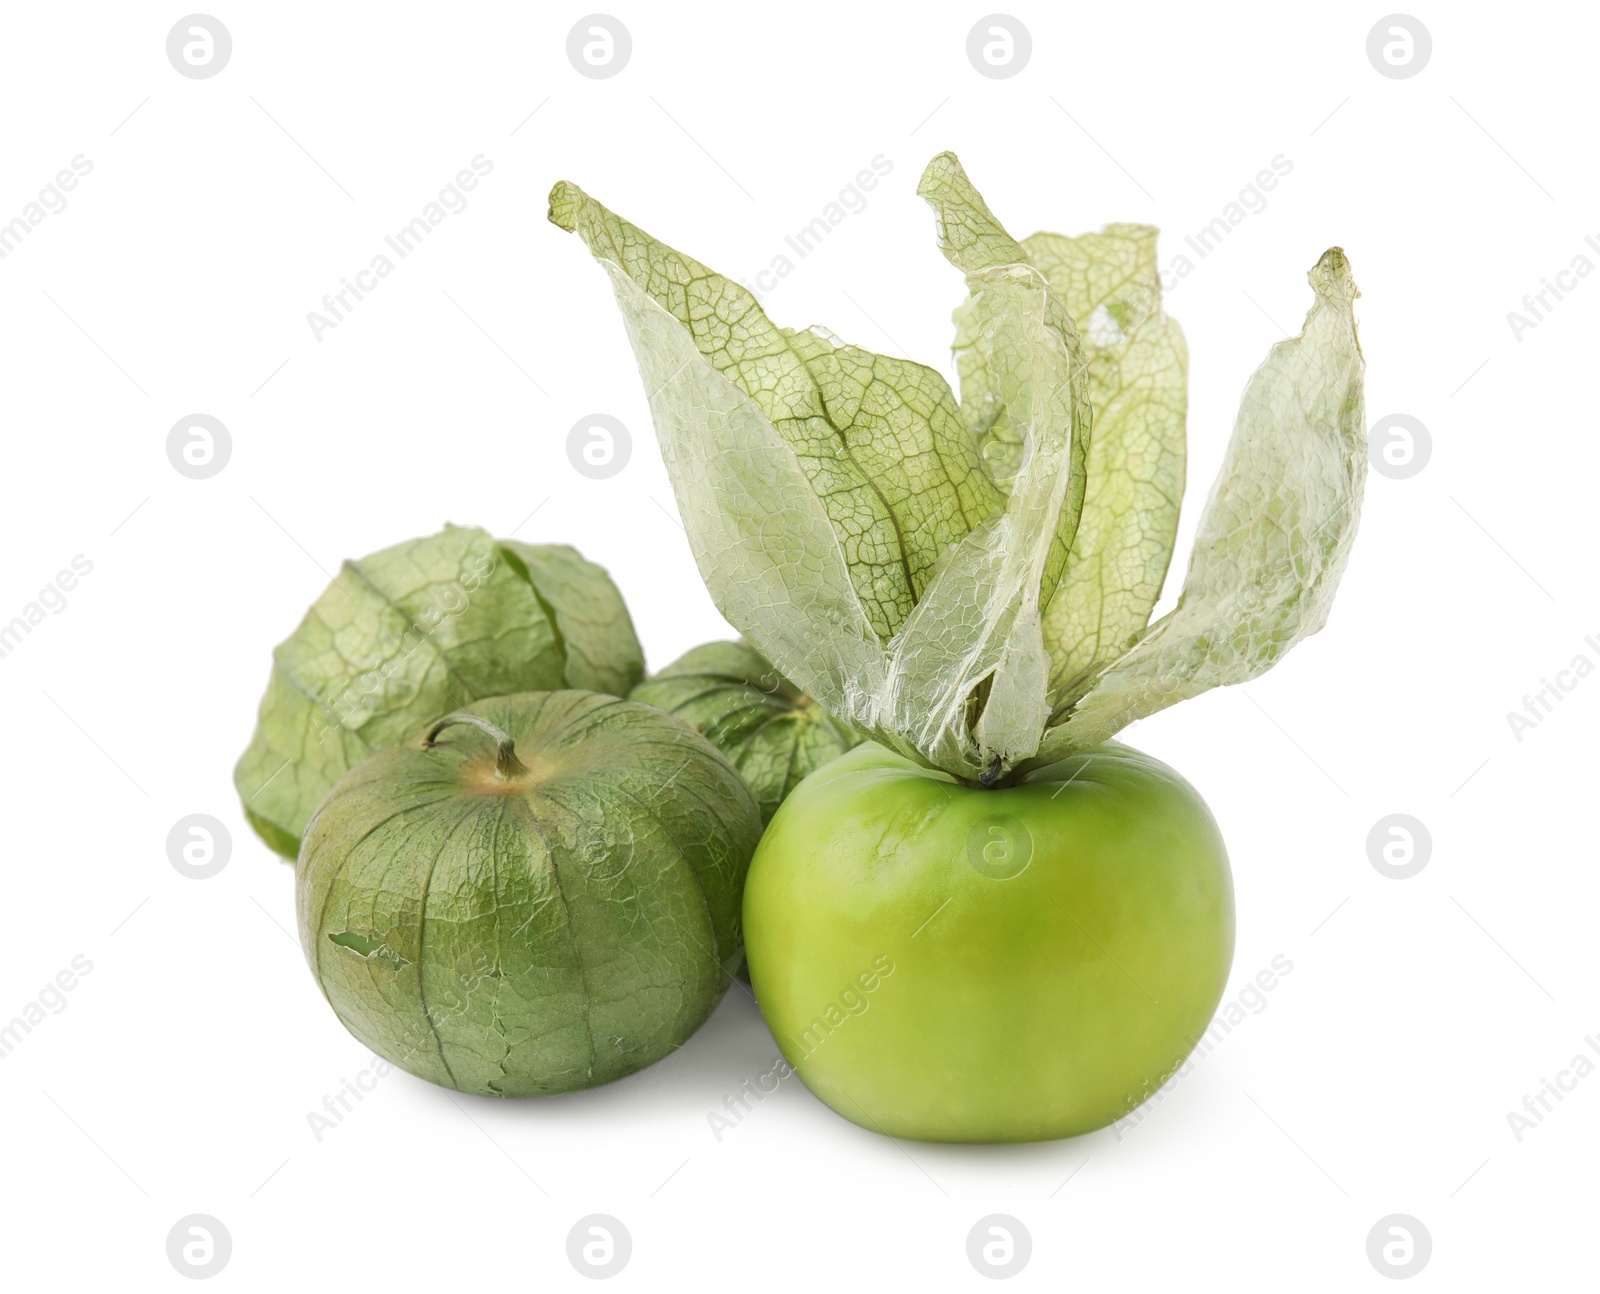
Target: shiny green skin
{"x":535,"y":932}
{"x":922,"y":997}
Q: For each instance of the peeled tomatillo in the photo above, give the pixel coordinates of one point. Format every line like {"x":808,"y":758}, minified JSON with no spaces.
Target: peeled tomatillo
{"x":947,"y":963}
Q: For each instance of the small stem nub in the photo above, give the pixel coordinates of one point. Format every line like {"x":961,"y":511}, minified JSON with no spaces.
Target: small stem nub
{"x":990,"y":775}
{"x":506,"y":763}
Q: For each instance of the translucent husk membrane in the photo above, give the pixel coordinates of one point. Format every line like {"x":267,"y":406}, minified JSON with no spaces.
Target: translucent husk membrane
{"x":972,"y":582}
{"x":415,"y":631}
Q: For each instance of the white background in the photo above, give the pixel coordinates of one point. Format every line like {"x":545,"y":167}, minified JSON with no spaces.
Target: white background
{"x":179,"y":1077}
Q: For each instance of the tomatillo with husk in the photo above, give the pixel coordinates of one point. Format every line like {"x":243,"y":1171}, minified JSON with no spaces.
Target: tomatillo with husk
{"x":406,"y":633}
{"x":538,"y":893}
{"x":1007,"y":928}
{"x":730,"y":694}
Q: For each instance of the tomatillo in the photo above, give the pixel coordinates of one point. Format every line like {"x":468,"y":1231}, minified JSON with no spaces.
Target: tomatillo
{"x":944,"y":962}
{"x":536,"y":894}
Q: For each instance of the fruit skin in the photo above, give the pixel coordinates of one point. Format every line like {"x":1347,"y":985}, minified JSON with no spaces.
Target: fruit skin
{"x":924,"y":987}
{"x":731,"y":695}
{"x":538,"y":930}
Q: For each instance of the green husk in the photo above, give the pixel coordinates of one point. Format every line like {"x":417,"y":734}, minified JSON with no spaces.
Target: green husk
{"x":415,"y":631}
{"x":772,"y":732}
{"x":972,"y":583}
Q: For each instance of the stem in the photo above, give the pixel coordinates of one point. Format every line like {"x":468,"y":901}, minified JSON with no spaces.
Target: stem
{"x":506,"y":763}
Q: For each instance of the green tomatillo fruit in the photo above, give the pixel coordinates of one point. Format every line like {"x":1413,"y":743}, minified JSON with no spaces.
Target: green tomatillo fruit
{"x":408,"y":633}
{"x":971,"y":581}
{"x":730,"y":694}
{"x":947,"y":963}
{"x":536,"y":894}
